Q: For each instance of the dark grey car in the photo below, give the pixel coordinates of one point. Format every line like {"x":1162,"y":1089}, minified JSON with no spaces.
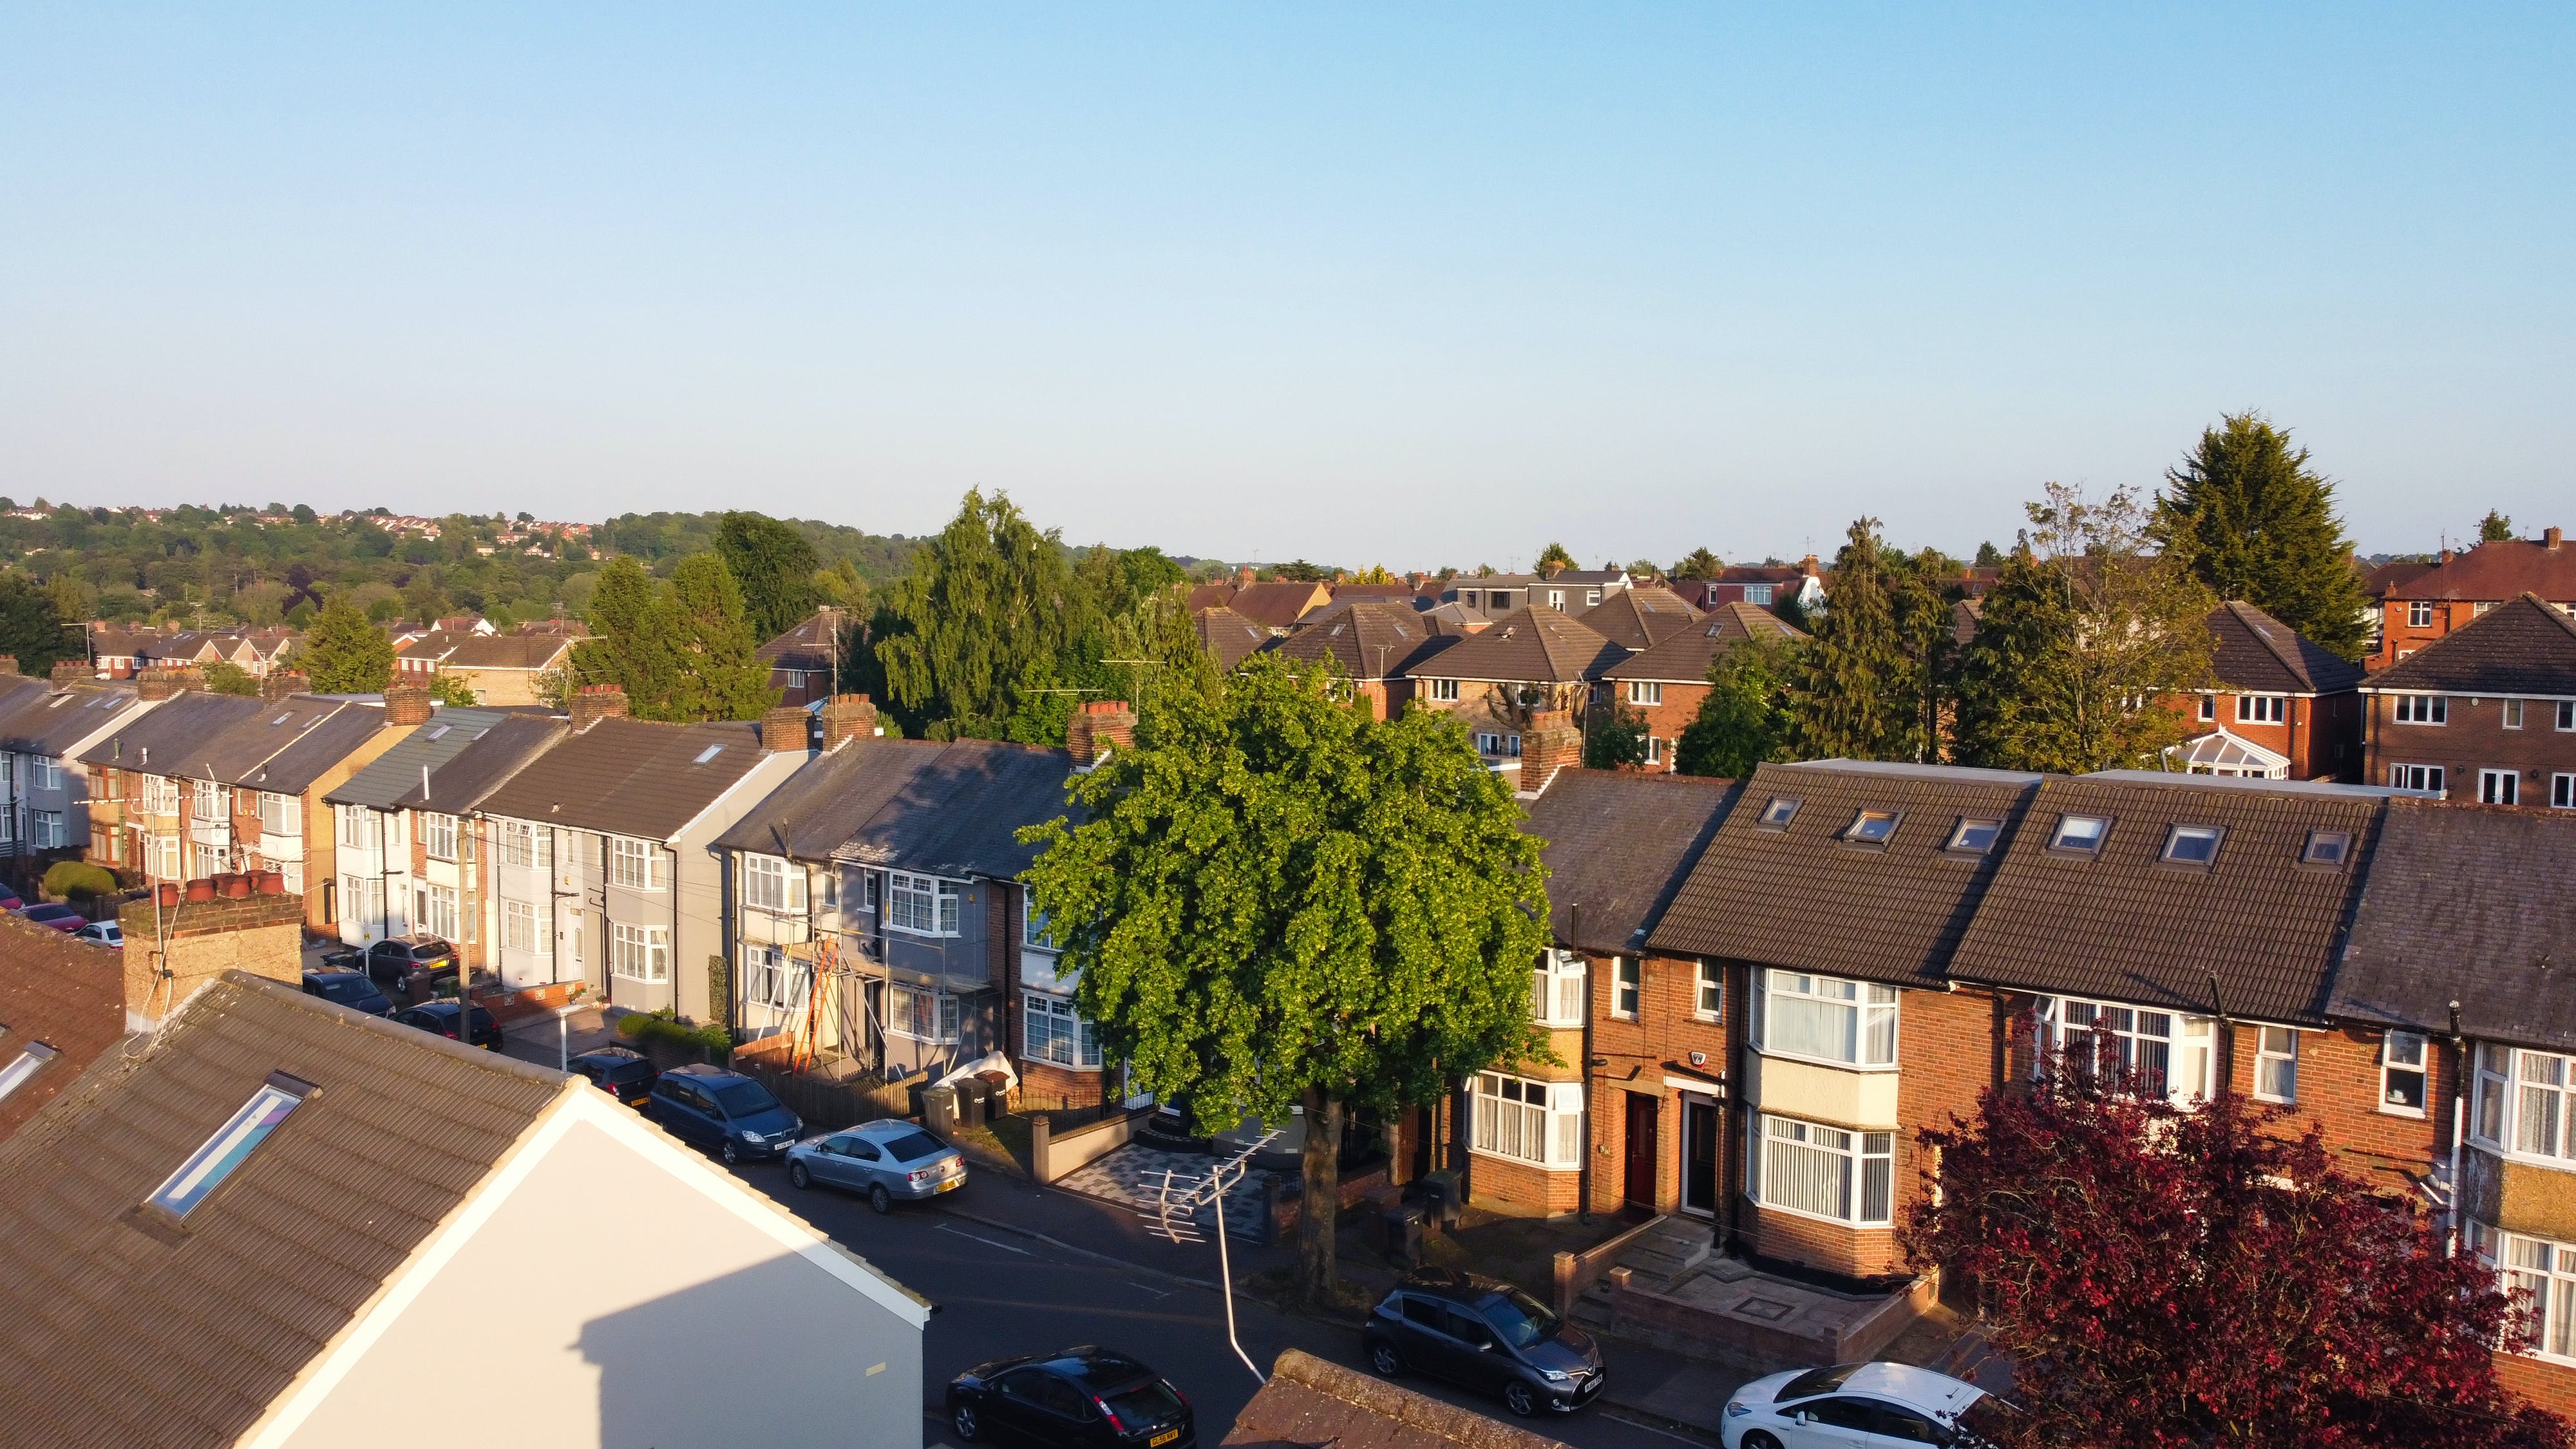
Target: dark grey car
{"x":891,"y":1161}
{"x":1486,"y":1335}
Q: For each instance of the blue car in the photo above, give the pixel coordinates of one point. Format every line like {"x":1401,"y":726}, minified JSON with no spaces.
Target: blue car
{"x":723,"y":1110}
{"x":351,"y":989}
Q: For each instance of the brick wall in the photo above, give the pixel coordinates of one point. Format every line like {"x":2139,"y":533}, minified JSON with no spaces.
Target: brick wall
{"x":2339,"y":1090}
{"x":2474,"y":738}
{"x":2551,"y":1386}
{"x":1502,"y":1180}
{"x":1827,"y":1247}
{"x":1665,"y":1029}
{"x":1947,"y":1043}
{"x":2397,"y":638}
{"x":1667,"y":720}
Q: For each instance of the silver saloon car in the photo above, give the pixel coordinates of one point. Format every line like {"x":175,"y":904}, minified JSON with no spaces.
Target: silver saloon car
{"x":890,"y":1160}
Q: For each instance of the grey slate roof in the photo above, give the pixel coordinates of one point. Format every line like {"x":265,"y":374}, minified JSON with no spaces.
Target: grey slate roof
{"x":816,"y":810}
{"x":176,"y":735}
{"x":1617,"y":845}
{"x":1804,"y":898}
{"x":1533,"y":644}
{"x":2127,"y":926}
{"x":2521,"y":646}
{"x":393,"y":778}
{"x":2467,"y":903}
{"x":630,"y":777}
{"x":2256,"y":652}
{"x":465,"y":782}
{"x":109,"y":1335}
{"x":958,"y":813}
{"x":312,"y":754}
{"x":46,"y":721}
{"x":1685,"y":656}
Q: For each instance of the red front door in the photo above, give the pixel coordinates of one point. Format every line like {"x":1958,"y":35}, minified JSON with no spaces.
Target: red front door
{"x":1642,"y":1114}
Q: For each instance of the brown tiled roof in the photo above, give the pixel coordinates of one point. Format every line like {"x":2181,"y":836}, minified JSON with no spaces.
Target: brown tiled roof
{"x":2466,"y":903}
{"x":429,"y":644}
{"x":1372,"y":638}
{"x":1617,"y":845}
{"x":2379,"y":581}
{"x":508,"y":651}
{"x":2519,"y":647}
{"x":64,"y":994}
{"x":1684,"y":657}
{"x":2498,"y":571}
{"x":1401,"y":593}
{"x":1803,"y":898}
{"x":1638,"y":619}
{"x":1310,"y":1403}
{"x":2126,"y":926}
{"x":1533,"y":644}
{"x":111,"y":1335}
{"x":808,"y":646}
{"x":1228,"y":637}
{"x":630,"y":777}
{"x":1210,"y":596}
{"x":1966,"y":617}
{"x":2260,"y":653}
{"x":1279,"y":603}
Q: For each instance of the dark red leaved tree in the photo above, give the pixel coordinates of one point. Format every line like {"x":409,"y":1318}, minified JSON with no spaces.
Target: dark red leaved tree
{"x":2162,"y":1277}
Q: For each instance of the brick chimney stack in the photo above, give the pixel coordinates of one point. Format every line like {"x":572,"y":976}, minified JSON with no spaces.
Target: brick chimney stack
{"x":1102,"y":725}
{"x":847,"y":716}
{"x":277,"y":684}
{"x":2550,"y":539}
{"x":1807,"y":565}
{"x":407,"y":704}
{"x":595,"y":702}
{"x":1243,"y":577}
{"x":161,"y":681}
{"x":2447,"y":555}
{"x":8,"y":663}
{"x":786,"y":728}
{"x":1551,"y":743}
{"x":73,"y":671}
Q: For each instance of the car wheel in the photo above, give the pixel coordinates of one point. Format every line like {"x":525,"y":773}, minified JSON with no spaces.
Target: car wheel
{"x":880,"y":1199}
{"x":1760,"y":1439}
{"x":797,"y":1175}
{"x":1385,"y":1360}
{"x":963,"y":1420}
{"x":728,"y":1154}
{"x":1518,"y":1398}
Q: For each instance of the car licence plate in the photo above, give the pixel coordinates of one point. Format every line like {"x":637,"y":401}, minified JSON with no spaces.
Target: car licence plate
{"x":1166,"y":1437}
{"x":960,"y":1181}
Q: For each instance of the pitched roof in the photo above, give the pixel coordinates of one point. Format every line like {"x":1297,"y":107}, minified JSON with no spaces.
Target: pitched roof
{"x":487,"y":763}
{"x":66,"y":995}
{"x":1638,"y":619}
{"x":1309,"y":1402}
{"x":1618,"y":844}
{"x":1210,"y":596}
{"x":816,"y":810}
{"x":2497,"y":571}
{"x":1685,"y":657}
{"x":631,"y":777}
{"x":808,"y":646}
{"x":2391,"y":575}
{"x":2125,"y":925}
{"x":17,"y":690}
{"x":1533,"y":644}
{"x":1401,"y":593}
{"x":174,"y":736}
{"x":2522,"y":646}
{"x":2466,"y":903}
{"x":112,"y":1334}
{"x":1278,"y":603}
{"x":1371,"y":638}
{"x":508,"y":651}
{"x":1228,"y":637}
{"x":293,"y":768}
{"x":1802,"y":897}
{"x":48,"y":721}
{"x":393,"y":778}
{"x":2260,"y":653}
{"x":959,"y":814}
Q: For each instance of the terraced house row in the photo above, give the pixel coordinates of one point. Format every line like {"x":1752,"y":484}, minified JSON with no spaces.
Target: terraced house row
{"x":1761,"y":993}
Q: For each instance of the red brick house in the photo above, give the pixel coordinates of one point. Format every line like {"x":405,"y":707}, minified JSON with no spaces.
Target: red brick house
{"x":1769,"y":585}
{"x":1228,"y":637}
{"x":1534,"y":661}
{"x":2420,"y":605}
{"x":2283,"y":708}
{"x":1668,"y":682}
{"x":2486,"y":712}
{"x":1377,"y":643}
{"x":802,"y":660}
{"x":1280,"y":603}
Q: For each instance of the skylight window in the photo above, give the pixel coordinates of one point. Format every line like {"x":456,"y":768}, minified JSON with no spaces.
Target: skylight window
{"x":2080,"y":834}
{"x":1778,"y":814}
{"x":709,"y":753}
{"x":2326,"y":847}
{"x":23,"y":1066}
{"x":2192,"y":844}
{"x":1872,"y":827}
{"x":233,"y":1143}
{"x":434,"y":731}
{"x":281,"y":719}
{"x":1974,"y":837}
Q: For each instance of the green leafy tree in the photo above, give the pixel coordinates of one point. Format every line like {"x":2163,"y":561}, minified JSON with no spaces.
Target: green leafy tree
{"x":2494,"y":528}
{"x":2084,"y":639}
{"x":449,"y":690}
{"x":631,"y":643}
{"x":1867,"y":683}
{"x":32,"y":628}
{"x":1699,"y":563}
{"x":344,"y":654}
{"x":1614,"y":736}
{"x":2251,"y":520}
{"x":1989,"y":556}
{"x":720,"y":674}
{"x":984,"y":621}
{"x":1553,"y":560}
{"x":1274,"y":899}
{"x":774,"y":566}
{"x":225,"y":677}
{"x":1745,"y":719}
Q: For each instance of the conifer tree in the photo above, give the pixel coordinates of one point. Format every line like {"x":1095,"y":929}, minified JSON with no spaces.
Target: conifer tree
{"x":1865,"y":684}
{"x":631,"y":640}
{"x":1699,"y":564}
{"x":720,"y":675}
{"x":2494,"y":528}
{"x":344,"y":654}
{"x":2253,"y":521}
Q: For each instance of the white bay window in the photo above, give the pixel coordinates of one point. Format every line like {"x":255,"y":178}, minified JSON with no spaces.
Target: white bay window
{"x":1824,"y":1172}
{"x":1539,"y":1123}
{"x":636,"y":864}
{"x":921,"y":905}
{"x":1851,"y":1023}
{"x":1054,"y":1032}
{"x":640,"y":953}
{"x":1556,"y":990}
{"x":771,"y":883}
{"x":923,"y":1015}
{"x":2540,"y":1276}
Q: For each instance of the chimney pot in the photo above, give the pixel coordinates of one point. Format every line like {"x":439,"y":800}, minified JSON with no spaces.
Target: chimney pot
{"x":2446,"y":555}
{"x":845,"y":716}
{"x":784,"y":729}
{"x":1100,"y":726}
{"x":407,"y":704}
{"x":595,"y":702}
{"x":2549,"y":538}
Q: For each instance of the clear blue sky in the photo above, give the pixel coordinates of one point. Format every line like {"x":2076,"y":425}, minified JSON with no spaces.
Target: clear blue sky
{"x":1412,"y":284}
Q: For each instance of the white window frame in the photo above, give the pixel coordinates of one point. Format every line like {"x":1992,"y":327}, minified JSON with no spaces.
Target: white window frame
{"x":352,"y":820}
{"x":527,"y":927}
{"x":1518,"y":1119}
{"x":2276,"y":1064}
{"x":1627,"y":987}
{"x":1708,"y":992}
{"x":48,"y":773}
{"x":2394,"y":1050}
{"x":2567,"y":714}
{"x":45,"y":829}
{"x":2499,"y":787}
{"x":912,"y":1011}
{"x":1033,"y":928}
{"x":2423,"y":709}
{"x":1871,"y":1024}
{"x":2562,"y":791}
{"x":1556,"y":989}
{"x":2262,"y":709}
{"x":165,"y":857}
{"x":2419,"y":613}
{"x":2512,"y":713}
{"x":636,"y":865}
{"x":922,"y":905}
{"x":1443,"y":691}
{"x":2190,"y":1042}
{"x":277,"y":815}
{"x":1798,"y":1165}
{"x":1645,"y":691}
{"x":2541,"y":1274}
{"x":2209,"y":709}
{"x":206,"y":801}
{"x":438,"y":836}
{"x":771,"y":978}
{"x":2431,"y":778}
{"x":773,"y":883}
{"x":640,"y":953}
{"x":1051,"y":1031}
{"x":444,"y":914}
{"x":1758,"y":594}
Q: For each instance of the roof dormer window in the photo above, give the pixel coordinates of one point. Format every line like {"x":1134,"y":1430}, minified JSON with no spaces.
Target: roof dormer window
{"x":1777,"y":814}
{"x":2192,"y":844}
{"x":1872,"y":827}
{"x":2079,"y":834}
{"x":2327,"y":848}
{"x":1974,"y":837}
{"x":207,"y":1168}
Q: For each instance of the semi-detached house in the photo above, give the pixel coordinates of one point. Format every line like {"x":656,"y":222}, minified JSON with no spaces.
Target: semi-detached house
{"x":2486,"y":712}
{"x":1668,"y":681}
{"x":45,"y":789}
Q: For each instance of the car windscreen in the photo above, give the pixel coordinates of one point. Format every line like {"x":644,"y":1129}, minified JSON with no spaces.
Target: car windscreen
{"x":348,"y":988}
{"x":1144,"y":1402}
{"x":1816,"y":1381}
{"x":630,"y":1071}
{"x":744,"y":1099}
{"x":913,"y":1147}
{"x":1519,"y":1319}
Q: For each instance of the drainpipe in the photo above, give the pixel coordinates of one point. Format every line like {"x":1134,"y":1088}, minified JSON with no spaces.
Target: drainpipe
{"x":674,"y":967}
{"x":2223,"y":1033}
{"x":1583,"y":1179}
{"x":2459,"y":1124}
{"x":1736,"y":1133}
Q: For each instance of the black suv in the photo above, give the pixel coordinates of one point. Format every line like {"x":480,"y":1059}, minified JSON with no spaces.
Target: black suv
{"x":1486,"y":1335}
{"x":621,"y":1072}
{"x":1080,"y":1396}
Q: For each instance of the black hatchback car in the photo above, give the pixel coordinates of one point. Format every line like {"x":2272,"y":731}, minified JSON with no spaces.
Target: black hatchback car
{"x":351,"y":989}
{"x":1487,"y":1335}
{"x":1079,"y":1396}
{"x":438,"y":1018}
{"x":621,"y":1072}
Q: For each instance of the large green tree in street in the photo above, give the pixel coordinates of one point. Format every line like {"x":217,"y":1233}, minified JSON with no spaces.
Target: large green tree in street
{"x":1745,"y":719}
{"x":2084,"y":639}
{"x":774,"y":566}
{"x":721,"y":675}
{"x":630,"y":643}
{"x":344,"y":654}
{"x":2253,"y":521}
{"x":984,"y":621}
{"x":1274,"y":900}
{"x":31,"y":627}
{"x":1868,"y":684}
{"x":1699,"y":563}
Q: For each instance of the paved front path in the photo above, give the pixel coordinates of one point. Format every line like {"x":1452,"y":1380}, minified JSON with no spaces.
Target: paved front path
{"x":1134,"y":1175}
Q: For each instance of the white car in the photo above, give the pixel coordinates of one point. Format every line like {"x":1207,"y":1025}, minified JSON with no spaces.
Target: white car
{"x":102,"y":933}
{"x":1858,"y":1406}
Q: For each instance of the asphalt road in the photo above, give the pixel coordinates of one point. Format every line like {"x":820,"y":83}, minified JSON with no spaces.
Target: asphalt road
{"x":1001,"y":1294}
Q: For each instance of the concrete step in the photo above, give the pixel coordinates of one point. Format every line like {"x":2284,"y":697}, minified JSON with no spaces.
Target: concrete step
{"x":1592,"y":1313}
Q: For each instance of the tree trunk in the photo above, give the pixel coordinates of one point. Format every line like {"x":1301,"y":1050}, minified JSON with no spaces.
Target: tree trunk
{"x":1321,"y":1202}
